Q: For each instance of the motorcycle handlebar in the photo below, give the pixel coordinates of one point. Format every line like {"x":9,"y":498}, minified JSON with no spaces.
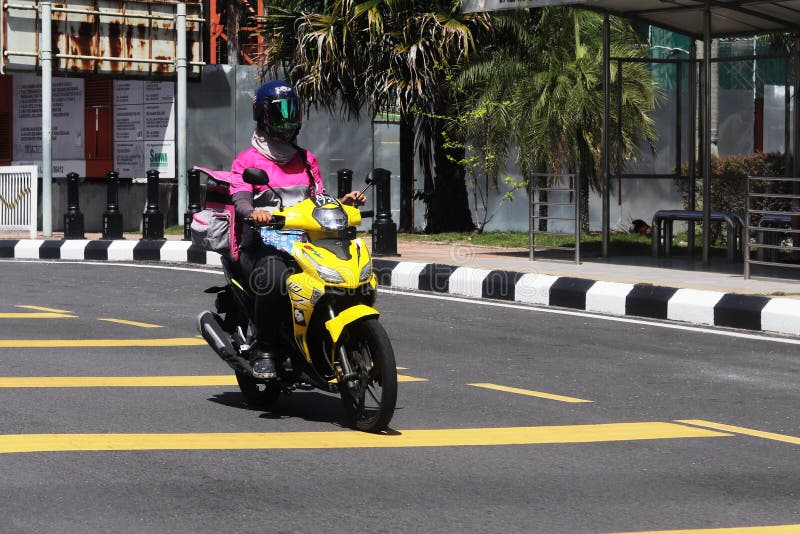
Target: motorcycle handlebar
{"x":276,"y":223}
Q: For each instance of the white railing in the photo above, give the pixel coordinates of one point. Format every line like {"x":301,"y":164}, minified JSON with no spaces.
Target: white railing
{"x":18,"y":198}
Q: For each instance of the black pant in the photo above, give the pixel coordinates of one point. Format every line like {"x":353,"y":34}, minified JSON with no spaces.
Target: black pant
{"x":266,"y":271}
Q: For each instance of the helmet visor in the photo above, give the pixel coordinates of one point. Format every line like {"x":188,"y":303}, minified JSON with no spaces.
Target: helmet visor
{"x":284,"y":113}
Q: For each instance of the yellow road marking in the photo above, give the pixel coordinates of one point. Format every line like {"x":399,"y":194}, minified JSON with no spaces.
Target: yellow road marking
{"x":742,"y":430}
{"x":114,"y":381}
{"x":65,"y":343}
{"x":12,"y":443}
{"x":40,"y":308}
{"x":776,"y":529}
{"x":35,"y":315}
{"x":130,"y":381}
{"x":529,"y":392}
{"x":406,"y":378}
{"x":131,"y":323}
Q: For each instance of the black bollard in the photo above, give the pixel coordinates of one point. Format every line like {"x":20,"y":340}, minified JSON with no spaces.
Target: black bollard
{"x":384,"y":231}
{"x":73,"y":219}
{"x":152,"y":219}
{"x":112,"y":217}
{"x":194,"y":203}
{"x":344,"y":178}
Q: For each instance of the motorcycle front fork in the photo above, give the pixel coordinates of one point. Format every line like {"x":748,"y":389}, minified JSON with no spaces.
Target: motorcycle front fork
{"x":348,"y":375}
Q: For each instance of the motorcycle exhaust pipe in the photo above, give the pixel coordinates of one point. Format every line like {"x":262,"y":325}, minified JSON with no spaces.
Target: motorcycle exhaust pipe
{"x":210,"y":326}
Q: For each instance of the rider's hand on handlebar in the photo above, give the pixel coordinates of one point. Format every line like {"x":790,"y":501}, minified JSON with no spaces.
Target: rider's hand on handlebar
{"x":353,"y":198}
{"x":261,"y":217}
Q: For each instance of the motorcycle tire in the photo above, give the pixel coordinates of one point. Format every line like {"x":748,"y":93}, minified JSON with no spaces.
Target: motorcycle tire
{"x":256,"y":394}
{"x":370,"y":399}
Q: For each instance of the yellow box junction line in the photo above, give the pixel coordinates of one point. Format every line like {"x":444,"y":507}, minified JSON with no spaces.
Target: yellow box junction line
{"x":7,"y":382}
{"x":71,"y":343}
{"x":130,"y":323}
{"x":18,"y":443}
{"x":40,"y":308}
{"x":775,"y":529}
{"x":744,"y":431}
{"x":36,"y":315}
{"x":114,"y":381}
{"x":529,"y":393}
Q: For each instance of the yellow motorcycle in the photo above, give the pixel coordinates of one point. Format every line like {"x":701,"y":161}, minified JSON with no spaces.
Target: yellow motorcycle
{"x":331,"y":338}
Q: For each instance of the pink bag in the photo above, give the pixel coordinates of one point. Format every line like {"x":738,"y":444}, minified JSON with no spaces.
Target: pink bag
{"x":208,"y":224}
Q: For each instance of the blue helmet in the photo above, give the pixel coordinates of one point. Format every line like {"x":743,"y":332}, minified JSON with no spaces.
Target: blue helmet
{"x":276,"y":110}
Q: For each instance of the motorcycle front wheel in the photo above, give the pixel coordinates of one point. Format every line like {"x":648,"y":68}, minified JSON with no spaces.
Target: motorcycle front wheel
{"x":370,"y":398}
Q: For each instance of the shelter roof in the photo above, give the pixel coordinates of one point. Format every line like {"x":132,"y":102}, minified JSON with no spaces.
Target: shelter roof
{"x":728,"y":17}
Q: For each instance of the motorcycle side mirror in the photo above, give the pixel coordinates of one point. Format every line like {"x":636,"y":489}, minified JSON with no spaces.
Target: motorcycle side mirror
{"x":254,"y":176}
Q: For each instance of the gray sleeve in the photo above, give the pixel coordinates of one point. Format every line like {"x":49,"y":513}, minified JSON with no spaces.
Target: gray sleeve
{"x":243,"y":203}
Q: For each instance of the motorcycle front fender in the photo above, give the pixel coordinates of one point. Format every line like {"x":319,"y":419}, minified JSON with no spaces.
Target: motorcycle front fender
{"x":337,"y":325}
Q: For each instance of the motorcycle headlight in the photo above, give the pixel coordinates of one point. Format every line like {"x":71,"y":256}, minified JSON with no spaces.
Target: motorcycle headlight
{"x":330,"y":217}
{"x":366,"y":272}
{"x":326,"y":273}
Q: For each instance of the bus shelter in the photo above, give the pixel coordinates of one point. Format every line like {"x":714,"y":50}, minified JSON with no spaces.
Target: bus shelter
{"x":702,"y":20}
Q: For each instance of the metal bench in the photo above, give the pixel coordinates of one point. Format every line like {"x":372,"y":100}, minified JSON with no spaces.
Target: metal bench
{"x":663,"y":225}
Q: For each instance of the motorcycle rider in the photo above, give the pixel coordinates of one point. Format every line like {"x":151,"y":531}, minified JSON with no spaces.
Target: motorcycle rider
{"x":294,"y":173}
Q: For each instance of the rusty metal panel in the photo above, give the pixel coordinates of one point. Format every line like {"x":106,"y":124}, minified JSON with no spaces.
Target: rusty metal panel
{"x":163,"y":41}
{"x":111,"y":38}
{"x":80,"y":37}
{"x":114,"y":37}
{"x":21,"y":37}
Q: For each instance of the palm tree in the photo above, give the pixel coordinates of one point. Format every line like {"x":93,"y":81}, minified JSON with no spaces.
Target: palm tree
{"x":548,"y":65}
{"x":379,"y":53}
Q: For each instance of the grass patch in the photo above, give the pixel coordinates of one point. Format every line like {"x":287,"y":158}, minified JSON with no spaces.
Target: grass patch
{"x":176,"y":229}
{"x":620,"y":244}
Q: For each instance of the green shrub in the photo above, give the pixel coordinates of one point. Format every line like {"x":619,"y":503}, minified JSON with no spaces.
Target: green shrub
{"x":729,"y":181}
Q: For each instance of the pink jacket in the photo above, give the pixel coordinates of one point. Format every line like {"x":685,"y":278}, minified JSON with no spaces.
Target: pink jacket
{"x":290,"y":180}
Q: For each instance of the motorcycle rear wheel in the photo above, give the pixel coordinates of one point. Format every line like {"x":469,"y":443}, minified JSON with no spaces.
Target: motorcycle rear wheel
{"x":256,"y":394}
{"x":370,"y":399}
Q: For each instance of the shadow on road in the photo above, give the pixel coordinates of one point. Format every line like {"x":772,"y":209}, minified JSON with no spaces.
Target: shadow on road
{"x":307,"y":405}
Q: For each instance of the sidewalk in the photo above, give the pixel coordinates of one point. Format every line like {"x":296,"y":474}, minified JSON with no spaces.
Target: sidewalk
{"x":674,"y":289}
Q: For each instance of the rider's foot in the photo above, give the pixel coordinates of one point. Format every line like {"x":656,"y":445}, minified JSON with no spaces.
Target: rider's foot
{"x":264,"y":365}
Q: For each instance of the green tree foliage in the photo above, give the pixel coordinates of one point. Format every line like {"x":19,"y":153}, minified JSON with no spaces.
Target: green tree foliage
{"x":439,"y":68}
{"x":548,"y":64}
{"x":378,"y":54}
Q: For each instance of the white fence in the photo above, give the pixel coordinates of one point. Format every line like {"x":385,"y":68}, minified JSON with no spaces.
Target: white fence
{"x":18,"y":198}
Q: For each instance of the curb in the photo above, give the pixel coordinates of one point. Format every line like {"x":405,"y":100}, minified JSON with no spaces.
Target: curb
{"x":709,"y":308}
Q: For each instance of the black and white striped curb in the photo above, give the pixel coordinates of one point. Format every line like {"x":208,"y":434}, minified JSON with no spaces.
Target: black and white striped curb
{"x":695,"y":306}
{"x":750,"y":312}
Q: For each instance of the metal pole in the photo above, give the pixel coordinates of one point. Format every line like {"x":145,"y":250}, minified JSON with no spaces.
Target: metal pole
{"x":606,"y":127}
{"x":344,"y":181}
{"x":46,"y":60}
{"x":578,"y":216}
{"x":787,"y":121}
{"x":619,"y":134}
{"x":746,"y":230}
{"x":181,"y":68}
{"x":692,"y":139}
{"x":678,"y":117}
{"x":384,"y":231}
{"x":707,"y":134}
{"x":112,"y":218}
{"x":796,"y":132}
{"x":194,"y":203}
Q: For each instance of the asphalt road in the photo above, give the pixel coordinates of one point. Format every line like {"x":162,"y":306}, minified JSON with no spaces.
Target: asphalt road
{"x":678,"y":428}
